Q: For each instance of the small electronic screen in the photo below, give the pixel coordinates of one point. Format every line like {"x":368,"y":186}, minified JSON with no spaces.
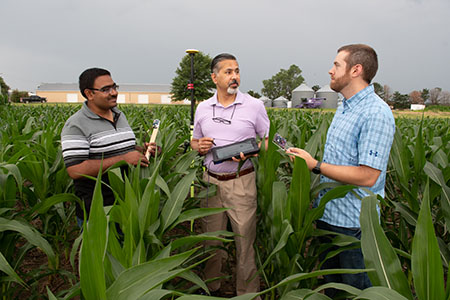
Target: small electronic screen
{"x":223,"y":153}
{"x":280,"y":141}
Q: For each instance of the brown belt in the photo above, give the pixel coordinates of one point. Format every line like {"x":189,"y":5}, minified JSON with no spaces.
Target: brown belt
{"x":224,"y":177}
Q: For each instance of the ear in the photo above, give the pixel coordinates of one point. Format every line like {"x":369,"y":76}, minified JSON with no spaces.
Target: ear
{"x":357,"y":70}
{"x":214,"y":77}
{"x":89,"y":94}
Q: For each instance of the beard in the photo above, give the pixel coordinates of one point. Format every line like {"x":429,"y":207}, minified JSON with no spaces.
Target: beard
{"x":338,"y":84}
{"x":232,"y":90}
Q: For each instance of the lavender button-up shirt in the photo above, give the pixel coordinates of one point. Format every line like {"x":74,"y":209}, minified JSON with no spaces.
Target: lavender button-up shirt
{"x":248,"y":118}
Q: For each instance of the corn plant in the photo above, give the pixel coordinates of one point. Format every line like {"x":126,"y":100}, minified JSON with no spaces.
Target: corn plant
{"x":292,"y":248}
{"x":149,"y":205}
{"x":156,"y":215}
{"x":427,"y":268}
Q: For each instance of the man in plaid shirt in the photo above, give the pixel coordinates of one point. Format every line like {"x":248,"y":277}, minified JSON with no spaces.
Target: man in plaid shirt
{"x":357,"y":149}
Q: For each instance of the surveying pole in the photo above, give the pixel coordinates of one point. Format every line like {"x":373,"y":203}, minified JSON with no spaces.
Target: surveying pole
{"x":190,"y":87}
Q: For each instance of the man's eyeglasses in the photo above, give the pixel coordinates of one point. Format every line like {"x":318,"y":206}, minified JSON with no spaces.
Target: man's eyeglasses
{"x":220,"y":119}
{"x":107,"y":89}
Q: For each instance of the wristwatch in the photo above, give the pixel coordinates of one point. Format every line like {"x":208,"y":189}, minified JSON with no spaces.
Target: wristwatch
{"x":316,"y":169}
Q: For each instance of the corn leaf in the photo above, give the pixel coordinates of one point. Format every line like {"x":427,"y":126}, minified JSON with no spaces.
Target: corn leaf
{"x":419,"y":151}
{"x":378,"y":252}
{"x":427,"y":270}
{"x":31,"y":235}
{"x":44,"y":206}
{"x":299,"y":197}
{"x":302,"y":294}
{"x":399,"y":158}
{"x":380,"y":293}
{"x":155,"y":294}
{"x":286,"y":232}
{"x":51,"y":296}
{"x":196,"y":213}
{"x":136,"y":281}
{"x":93,"y":248}
{"x":174,"y":204}
{"x":5,"y":267}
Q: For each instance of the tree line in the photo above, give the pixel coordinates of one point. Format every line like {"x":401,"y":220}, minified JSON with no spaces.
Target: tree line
{"x":280,"y":84}
{"x":284,"y":82}
{"x":13,"y":97}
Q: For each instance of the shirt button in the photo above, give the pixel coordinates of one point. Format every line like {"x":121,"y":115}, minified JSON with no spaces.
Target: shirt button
{"x":322,"y":177}
{"x":320,"y":194}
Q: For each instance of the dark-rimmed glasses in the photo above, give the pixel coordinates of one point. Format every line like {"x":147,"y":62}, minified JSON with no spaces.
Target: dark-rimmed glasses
{"x":220,"y":119}
{"x":107,"y":89}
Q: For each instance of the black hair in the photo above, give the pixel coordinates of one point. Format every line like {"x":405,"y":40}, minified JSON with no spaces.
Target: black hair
{"x":221,"y":57}
{"x":87,"y":78}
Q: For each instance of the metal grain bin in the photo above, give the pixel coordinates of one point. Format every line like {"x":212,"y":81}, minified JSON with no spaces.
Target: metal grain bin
{"x":280,"y":102}
{"x":331,"y":97}
{"x":267,"y":102}
{"x":300,"y":94}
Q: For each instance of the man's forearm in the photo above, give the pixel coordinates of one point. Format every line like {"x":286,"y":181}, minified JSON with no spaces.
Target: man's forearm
{"x":92,"y":166}
{"x":358,"y":175}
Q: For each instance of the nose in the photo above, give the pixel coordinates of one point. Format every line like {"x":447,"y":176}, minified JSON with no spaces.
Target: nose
{"x":113,"y":91}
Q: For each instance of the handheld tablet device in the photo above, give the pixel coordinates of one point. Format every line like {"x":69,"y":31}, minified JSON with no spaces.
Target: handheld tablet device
{"x":223,"y":153}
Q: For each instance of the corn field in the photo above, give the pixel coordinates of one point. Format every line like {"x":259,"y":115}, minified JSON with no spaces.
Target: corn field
{"x":160,"y":253}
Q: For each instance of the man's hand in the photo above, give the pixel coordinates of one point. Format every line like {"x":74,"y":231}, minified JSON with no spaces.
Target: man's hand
{"x":310,"y":161}
{"x":202,"y":145}
{"x":134,"y":157}
{"x":243,"y":157}
{"x":151,"y":148}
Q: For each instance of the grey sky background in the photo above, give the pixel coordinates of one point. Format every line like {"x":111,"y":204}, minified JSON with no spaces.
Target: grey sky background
{"x":143,"y":41}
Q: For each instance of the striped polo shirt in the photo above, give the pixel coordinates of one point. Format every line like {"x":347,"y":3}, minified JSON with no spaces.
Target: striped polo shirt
{"x":85,"y":136}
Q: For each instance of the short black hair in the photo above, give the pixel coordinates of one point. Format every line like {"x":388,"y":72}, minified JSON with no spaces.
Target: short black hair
{"x":87,"y":78}
{"x":221,"y":57}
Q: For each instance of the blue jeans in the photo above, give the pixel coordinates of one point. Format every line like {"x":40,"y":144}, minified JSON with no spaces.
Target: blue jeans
{"x":80,"y":223}
{"x":349,"y":259}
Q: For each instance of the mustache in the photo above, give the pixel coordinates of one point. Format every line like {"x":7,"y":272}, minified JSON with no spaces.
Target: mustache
{"x":234,"y":81}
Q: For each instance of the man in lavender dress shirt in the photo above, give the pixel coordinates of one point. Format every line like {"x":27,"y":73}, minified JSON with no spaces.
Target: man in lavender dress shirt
{"x":227,"y":117}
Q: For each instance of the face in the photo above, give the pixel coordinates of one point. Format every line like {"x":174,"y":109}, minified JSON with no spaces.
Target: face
{"x":340,"y":77}
{"x":228,"y":77}
{"x":102,"y":101}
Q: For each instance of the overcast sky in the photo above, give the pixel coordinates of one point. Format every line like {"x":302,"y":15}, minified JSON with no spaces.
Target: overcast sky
{"x":143,"y":41}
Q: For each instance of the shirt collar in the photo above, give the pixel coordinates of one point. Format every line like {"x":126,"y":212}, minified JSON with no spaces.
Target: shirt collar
{"x":90,"y":114}
{"x":239,"y":99}
{"x":357,"y":98}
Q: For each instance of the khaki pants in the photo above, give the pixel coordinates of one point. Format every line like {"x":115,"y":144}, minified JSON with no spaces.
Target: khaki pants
{"x":239,"y":195}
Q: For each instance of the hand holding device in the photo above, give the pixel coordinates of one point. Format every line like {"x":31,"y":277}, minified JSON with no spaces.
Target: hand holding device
{"x":223,"y":153}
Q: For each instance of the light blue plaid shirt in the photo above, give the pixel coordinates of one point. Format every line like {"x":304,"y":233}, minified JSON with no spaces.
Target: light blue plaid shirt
{"x":361,"y":133}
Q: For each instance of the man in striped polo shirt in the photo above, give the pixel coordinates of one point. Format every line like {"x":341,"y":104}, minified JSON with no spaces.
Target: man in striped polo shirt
{"x":356,"y":152}
{"x":98,"y":135}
